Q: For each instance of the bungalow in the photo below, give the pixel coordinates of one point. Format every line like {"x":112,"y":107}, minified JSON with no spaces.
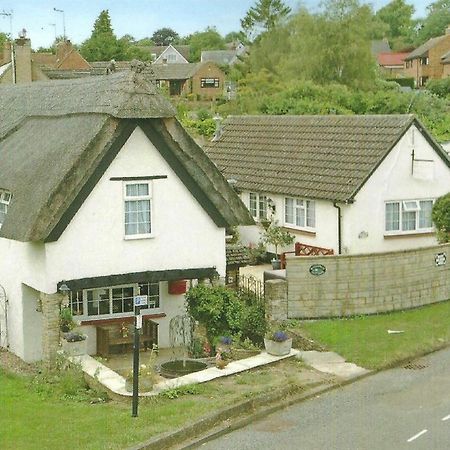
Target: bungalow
{"x":102,"y":192}
{"x":392,"y":63}
{"x":352,"y":184}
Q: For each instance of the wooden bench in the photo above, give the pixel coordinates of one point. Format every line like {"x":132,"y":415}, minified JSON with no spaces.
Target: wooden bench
{"x":111,"y":335}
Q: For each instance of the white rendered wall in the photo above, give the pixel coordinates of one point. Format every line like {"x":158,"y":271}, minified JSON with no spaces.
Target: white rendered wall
{"x":324,"y":235}
{"x":393,"y":181}
{"x":93,"y":244}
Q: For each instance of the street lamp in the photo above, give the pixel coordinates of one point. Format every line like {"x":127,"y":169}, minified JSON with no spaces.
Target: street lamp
{"x":64,"y":21}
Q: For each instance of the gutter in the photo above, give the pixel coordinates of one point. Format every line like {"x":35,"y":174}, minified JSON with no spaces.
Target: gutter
{"x":339,"y":221}
{"x":339,"y":224}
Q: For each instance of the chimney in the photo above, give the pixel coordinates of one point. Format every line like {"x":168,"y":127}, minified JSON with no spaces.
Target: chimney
{"x":22,"y":50}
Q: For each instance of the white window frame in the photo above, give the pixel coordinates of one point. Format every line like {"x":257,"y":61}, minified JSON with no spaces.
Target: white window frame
{"x":298,"y":204}
{"x":260,"y":212}
{"x":408,"y":206}
{"x":75,"y":302}
{"x":5,"y":200}
{"x":127,"y":198}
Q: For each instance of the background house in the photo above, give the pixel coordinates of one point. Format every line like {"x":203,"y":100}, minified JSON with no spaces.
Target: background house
{"x":205,"y":80}
{"x":354,"y":184}
{"x":170,"y":54}
{"x":428,"y":61}
{"x":392,"y":64}
{"x":103,"y":191}
{"x":34,"y":66}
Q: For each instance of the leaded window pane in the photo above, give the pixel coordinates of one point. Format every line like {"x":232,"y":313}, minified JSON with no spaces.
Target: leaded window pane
{"x":392,"y":216}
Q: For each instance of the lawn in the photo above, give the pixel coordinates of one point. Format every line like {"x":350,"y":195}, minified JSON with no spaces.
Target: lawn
{"x":34,"y":416}
{"x":365,"y":340}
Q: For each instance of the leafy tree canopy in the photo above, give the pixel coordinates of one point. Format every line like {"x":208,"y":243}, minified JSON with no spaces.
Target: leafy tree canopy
{"x":3,"y":38}
{"x":397,"y":15}
{"x":103,"y":44}
{"x":210,"y":39}
{"x":265,"y":15}
{"x":165,"y":36}
{"x":436,"y":21}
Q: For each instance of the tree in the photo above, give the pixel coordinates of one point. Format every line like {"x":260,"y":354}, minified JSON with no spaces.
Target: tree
{"x":165,"y":36}
{"x":103,"y":44}
{"x":398,"y":16}
{"x":436,"y":22}
{"x":441,"y":218}
{"x":3,"y":38}
{"x":264,"y":16}
{"x":210,"y":39}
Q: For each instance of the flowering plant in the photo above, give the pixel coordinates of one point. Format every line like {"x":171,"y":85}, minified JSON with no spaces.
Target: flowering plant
{"x":225,"y":340}
{"x":279,"y":336}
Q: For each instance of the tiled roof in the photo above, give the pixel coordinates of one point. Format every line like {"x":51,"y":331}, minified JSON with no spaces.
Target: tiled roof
{"x":322,"y":157}
{"x":422,"y":51}
{"x":391,"y":58}
{"x":380,"y":46}
{"x":219,"y":56}
{"x":175,"y":71}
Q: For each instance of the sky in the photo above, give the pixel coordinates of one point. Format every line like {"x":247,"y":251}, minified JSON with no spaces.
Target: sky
{"x":140,"y":18}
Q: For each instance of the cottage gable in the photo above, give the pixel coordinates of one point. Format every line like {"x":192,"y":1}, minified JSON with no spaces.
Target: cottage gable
{"x":82,"y":125}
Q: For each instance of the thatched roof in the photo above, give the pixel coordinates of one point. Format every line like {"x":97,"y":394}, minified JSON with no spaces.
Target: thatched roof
{"x":319,"y":157}
{"x":57,"y":139}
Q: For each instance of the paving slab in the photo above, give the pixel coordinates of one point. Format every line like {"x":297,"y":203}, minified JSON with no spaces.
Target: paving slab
{"x":332,"y":363}
{"x":116,"y":383}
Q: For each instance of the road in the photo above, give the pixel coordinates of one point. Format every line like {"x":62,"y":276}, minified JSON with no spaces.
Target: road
{"x":402,"y":408}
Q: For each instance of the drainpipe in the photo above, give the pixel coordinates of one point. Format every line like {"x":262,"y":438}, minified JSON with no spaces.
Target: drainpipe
{"x":339,"y":224}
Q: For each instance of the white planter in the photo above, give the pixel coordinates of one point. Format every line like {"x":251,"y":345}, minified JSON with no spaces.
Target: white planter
{"x":278,"y":348}
{"x":74,"y":348}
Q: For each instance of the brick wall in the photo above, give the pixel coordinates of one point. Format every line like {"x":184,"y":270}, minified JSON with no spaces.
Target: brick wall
{"x":363,"y":284}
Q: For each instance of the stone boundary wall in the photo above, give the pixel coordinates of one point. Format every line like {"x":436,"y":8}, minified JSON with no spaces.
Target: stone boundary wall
{"x":363,"y":284}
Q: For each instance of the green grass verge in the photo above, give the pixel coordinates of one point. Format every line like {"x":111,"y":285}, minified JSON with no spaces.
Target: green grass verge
{"x":365,"y":341}
{"x":30,"y":419}
{"x":54,"y":411}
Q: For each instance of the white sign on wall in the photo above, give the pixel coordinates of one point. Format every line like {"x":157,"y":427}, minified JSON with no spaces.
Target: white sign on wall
{"x":440,"y":259}
{"x":141,"y":300}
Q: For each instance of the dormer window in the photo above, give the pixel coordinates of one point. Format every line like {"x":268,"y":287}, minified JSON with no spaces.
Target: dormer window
{"x":5,"y":198}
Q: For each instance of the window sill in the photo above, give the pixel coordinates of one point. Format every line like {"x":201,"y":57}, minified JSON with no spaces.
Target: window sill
{"x":133,"y":237}
{"x":408,"y":235}
{"x":299,"y":230}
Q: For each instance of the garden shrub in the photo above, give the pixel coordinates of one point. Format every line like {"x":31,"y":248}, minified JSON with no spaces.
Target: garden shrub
{"x":441,"y":218}
{"x":224,"y":313}
{"x":217,"y":308}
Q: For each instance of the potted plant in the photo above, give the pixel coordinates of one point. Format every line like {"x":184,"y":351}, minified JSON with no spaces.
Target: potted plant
{"x":74,"y":343}
{"x":278,"y":343}
{"x":66,"y":322}
{"x":276,"y":236}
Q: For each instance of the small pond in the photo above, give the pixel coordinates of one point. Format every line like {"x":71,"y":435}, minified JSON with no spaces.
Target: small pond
{"x":180,"y":367}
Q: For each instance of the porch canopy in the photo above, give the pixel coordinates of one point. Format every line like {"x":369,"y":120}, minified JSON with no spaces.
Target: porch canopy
{"x":151,"y":276}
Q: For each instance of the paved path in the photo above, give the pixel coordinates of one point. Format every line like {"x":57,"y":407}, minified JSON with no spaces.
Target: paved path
{"x":393,"y":410}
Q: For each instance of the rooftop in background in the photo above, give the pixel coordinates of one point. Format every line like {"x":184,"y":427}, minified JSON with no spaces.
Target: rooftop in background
{"x":392,"y":58}
{"x":423,"y":49}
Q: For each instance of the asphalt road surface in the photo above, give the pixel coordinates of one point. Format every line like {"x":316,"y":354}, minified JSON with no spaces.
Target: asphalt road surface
{"x":403,"y":408}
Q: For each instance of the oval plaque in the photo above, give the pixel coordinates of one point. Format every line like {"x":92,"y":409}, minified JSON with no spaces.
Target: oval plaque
{"x":317,"y":269}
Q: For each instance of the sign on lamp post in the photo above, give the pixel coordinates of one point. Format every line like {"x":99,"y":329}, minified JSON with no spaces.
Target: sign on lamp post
{"x":140,"y":301}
